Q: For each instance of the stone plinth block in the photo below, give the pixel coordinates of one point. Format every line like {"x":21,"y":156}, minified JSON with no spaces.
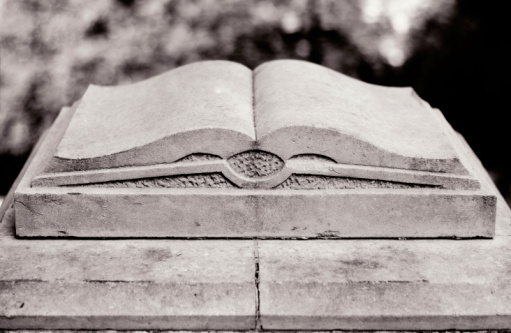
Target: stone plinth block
{"x":114,"y":284}
{"x":289,"y":150}
{"x":245,"y":284}
{"x":388,"y":284}
{"x":385,"y":285}
{"x":324,"y":285}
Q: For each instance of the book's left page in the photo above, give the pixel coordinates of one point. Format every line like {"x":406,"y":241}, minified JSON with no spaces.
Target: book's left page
{"x":204,"y":107}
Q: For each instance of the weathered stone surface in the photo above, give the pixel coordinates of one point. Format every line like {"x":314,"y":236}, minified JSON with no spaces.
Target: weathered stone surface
{"x":117,"y":212}
{"x":256,"y":164}
{"x":257,"y":169}
{"x":285,"y":107}
{"x":218,"y":116}
{"x":199,"y":108}
{"x":313,"y":182}
{"x":388,"y":284}
{"x":344,"y":213}
{"x":303,"y":108}
{"x":137,"y":284}
{"x":385,"y":285}
{"x":269,"y":331}
{"x":94,"y":212}
{"x":294,"y":182}
{"x":202,"y":178}
{"x":207,"y":180}
{"x":315,"y":284}
{"x":303,"y":285}
{"x":319,"y":166}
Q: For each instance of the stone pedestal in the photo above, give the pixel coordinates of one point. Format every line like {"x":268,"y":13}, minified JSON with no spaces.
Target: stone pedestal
{"x":122,"y":284}
{"x":290,"y":150}
{"x":286,"y":198}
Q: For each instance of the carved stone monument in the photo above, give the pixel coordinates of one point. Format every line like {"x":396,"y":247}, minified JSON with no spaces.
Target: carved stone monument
{"x":291,"y":149}
{"x":268,"y":163}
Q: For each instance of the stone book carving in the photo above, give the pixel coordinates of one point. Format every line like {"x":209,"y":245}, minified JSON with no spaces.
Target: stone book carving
{"x":291,"y":149}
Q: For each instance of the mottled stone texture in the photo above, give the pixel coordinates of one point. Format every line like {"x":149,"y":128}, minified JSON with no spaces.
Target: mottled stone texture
{"x":313,"y":182}
{"x":253,"y":123}
{"x":261,"y":284}
{"x":256,"y":164}
{"x":137,"y":284}
{"x":212,"y":180}
{"x":284,"y":107}
{"x":245,"y":285}
{"x":290,"y":150}
{"x":294,"y":182}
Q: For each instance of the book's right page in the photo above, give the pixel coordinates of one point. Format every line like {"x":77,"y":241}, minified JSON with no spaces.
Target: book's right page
{"x":304,"y":108}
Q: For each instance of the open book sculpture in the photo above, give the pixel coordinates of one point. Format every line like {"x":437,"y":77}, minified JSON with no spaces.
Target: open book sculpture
{"x":291,"y":149}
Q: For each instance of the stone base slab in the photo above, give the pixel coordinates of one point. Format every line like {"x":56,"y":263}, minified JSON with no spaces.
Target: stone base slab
{"x":81,"y":284}
{"x":246,"y":284}
{"x":156,"y":213}
{"x":90,"y":212}
{"x":441,"y":284}
{"x":385,"y":285}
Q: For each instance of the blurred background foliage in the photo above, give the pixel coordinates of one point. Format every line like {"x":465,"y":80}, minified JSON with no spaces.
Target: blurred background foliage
{"x":452,"y":52}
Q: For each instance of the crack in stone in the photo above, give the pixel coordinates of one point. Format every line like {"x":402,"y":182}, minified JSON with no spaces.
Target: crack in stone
{"x":28,"y":208}
{"x":258,"y":325}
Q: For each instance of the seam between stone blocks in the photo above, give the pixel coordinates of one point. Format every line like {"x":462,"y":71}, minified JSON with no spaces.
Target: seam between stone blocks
{"x":258,"y":326}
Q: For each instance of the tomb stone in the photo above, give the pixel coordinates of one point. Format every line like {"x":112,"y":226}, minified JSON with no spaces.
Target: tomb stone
{"x":289,"y":150}
{"x":309,"y":153}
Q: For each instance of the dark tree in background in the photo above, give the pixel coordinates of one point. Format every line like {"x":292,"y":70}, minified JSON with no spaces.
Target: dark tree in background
{"x":462,"y":67}
{"x":51,"y":50}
